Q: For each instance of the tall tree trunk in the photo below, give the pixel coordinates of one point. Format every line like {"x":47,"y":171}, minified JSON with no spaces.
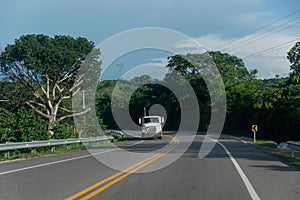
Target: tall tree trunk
{"x":51,"y":125}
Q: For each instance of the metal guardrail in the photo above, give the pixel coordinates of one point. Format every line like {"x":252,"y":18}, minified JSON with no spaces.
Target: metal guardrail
{"x":293,"y":146}
{"x":45,"y":143}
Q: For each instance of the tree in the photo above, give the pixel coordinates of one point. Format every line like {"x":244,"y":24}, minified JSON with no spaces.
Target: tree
{"x":48,"y":68}
{"x":277,"y":103}
{"x":240,"y":83}
{"x":7,"y":123}
{"x":294,"y":58}
{"x":23,"y":125}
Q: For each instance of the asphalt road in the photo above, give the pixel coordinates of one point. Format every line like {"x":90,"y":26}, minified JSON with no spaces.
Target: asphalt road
{"x":232,"y":170}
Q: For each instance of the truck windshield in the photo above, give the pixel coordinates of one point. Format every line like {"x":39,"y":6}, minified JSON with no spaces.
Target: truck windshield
{"x":153,"y":120}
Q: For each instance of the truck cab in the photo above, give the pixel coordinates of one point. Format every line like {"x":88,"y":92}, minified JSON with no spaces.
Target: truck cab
{"x":151,"y":126}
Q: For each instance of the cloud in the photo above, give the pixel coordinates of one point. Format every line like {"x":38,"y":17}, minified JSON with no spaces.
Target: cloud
{"x":163,"y":60}
{"x":154,"y":70}
{"x":268,"y":63}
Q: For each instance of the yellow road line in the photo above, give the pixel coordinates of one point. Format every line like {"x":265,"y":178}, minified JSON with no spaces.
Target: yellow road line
{"x":94,"y":193}
{"x":126,"y":172}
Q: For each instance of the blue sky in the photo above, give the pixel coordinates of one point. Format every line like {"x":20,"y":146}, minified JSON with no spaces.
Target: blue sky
{"x":212,"y":23}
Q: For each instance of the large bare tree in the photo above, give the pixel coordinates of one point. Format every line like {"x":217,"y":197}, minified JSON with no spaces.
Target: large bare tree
{"x":47,"y":67}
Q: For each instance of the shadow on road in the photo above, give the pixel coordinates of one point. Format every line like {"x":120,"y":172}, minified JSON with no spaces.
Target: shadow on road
{"x":244,"y":152}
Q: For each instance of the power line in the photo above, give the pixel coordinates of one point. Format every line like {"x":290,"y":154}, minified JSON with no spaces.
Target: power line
{"x":264,"y":34}
{"x":274,"y":48}
{"x":258,"y":29}
{"x":262,"y":27}
{"x":265,"y":52}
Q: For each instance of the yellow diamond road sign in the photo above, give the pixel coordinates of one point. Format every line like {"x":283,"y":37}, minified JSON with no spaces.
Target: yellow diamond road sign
{"x":254,"y":128}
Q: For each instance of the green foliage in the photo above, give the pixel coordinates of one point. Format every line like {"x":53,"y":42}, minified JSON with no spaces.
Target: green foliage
{"x":27,"y":153}
{"x":273,"y":104}
{"x":12,"y":95}
{"x":31,"y":126}
{"x":294,"y":58}
{"x":46,"y":72}
{"x":41,"y":55}
{"x":268,"y":143}
{"x":30,"y":62}
{"x":103,"y":102}
{"x":151,"y":94}
{"x":24,"y":125}
{"x":7,"y":124}
{"x":231,"y":67}
{"x":144,"y":96}
{"x":63,"y":131}
{"x":293,"y":161}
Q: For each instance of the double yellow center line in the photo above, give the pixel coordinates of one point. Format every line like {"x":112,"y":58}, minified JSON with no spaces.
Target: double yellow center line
{"x":109,"y":181}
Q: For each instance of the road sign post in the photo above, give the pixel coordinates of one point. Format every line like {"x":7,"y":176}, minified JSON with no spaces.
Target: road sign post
{"x":254,"y":128}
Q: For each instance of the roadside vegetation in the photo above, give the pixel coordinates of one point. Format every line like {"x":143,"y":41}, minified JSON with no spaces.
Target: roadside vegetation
{"x":39,"y":74}
{"x":271,"y":147}
{"x":267,"y":143}
{"x":285,"y":154}
{"x":293,"y":161}
{"x":273,"y":104}
{"x":29,"y":153}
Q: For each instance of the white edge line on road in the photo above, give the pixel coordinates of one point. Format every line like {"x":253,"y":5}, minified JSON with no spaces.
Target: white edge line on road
{"x":239,"y":139}
{"x":246,"y":181}
{"x":135,"y":144}
{"x":243,"y":141}
{"x":61,"y":161}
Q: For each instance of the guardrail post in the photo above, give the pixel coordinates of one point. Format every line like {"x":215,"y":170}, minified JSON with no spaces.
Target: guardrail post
{"x":32,"y":146}
{"x":33,"y":151}
{"x":292,"y":153}
{"x":7,"y":154}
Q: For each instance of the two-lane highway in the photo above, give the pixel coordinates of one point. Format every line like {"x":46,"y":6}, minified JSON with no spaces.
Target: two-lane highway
{"x":220,"y":175}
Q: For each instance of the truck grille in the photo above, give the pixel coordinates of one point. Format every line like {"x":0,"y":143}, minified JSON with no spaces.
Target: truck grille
{"x":151,"y":130}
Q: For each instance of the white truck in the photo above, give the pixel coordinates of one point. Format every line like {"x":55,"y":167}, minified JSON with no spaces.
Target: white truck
{"x":151,"y":126}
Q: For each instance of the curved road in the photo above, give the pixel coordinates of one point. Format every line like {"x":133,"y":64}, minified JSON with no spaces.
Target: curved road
{"x":232,"y":170}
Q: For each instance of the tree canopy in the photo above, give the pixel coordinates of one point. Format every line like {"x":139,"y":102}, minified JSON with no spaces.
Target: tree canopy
{"x":40,"y":74}
{"x":48,"y":68}
{"x":294,"y":58}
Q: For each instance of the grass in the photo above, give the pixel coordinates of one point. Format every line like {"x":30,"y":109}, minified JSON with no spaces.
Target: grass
{"x":268,"y":143}
{"x":282,"y":153}
{"x":28,"y":153}
{"x":290,"y":160}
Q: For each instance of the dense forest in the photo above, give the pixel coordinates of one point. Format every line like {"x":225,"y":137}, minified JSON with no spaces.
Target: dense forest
{"x":39,"y":74}
{"x":272,"y":104}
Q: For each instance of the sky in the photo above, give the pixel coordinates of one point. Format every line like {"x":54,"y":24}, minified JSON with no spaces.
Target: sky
{"x":242,"y":28}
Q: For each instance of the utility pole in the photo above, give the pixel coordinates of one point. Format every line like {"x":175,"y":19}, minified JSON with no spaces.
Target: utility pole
{"x":83,"y":100}
{"x":84,"y":117}
{"x":119,"y":66}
